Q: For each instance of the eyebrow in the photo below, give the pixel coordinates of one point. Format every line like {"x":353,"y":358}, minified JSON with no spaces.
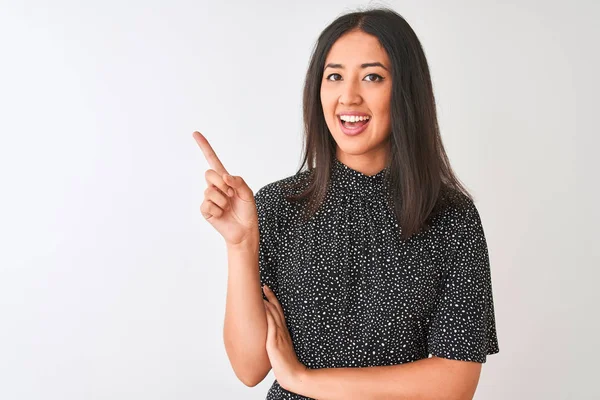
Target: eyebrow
{"x":365,"y":65}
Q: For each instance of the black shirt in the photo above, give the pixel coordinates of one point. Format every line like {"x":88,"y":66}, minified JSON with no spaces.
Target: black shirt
{"x":355,"y":295}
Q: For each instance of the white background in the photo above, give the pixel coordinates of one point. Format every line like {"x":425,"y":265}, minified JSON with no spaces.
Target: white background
{"x":112,"y":285}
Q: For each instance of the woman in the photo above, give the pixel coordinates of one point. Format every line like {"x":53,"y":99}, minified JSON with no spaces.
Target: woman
{"x":374,"y":258}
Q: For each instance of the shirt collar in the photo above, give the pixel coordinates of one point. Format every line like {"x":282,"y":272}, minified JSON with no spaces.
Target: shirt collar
{"x":353,"y":181}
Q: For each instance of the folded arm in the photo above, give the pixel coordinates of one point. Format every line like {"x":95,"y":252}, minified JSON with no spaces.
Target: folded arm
{"x":431,"y":378}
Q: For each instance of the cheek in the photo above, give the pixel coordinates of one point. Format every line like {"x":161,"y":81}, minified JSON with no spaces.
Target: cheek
{"x":381,"y":108}
{"x":329,"y":107}
{"x":384,"y":127}
{"x":326,"y":100}
{"x":386,"y":121}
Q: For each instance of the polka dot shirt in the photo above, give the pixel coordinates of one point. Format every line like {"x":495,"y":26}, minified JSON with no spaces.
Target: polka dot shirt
{"x":355,"y":295}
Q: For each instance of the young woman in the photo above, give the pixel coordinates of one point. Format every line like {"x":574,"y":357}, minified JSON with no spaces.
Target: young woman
{"x":374,"y":262}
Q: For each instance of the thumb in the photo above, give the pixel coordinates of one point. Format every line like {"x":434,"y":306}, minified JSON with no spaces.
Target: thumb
{"x":236,"y":182}
{"x":231,"y":180}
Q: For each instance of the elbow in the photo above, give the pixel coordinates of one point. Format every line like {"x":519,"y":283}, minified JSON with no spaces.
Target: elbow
{"x":248,"y":368}
{"x":250,"y":365}
{"x":250,"y":377}
{"x":247,"y":380}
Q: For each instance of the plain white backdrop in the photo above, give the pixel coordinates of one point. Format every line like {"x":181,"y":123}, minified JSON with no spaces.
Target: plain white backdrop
{"x":112,"y":285}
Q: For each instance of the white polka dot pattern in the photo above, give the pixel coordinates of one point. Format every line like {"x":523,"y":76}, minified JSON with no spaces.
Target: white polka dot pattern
{"x":355,"y":295}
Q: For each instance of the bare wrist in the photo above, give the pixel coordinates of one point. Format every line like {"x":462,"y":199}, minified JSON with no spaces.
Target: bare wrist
{"x":251,"y":244}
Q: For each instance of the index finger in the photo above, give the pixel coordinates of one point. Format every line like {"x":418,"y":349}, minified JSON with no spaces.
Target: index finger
{"x":209,"y":153}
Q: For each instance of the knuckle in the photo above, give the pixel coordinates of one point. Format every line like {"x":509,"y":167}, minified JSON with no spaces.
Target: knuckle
{"x":204,"y":211}
{"x":214,"y":210}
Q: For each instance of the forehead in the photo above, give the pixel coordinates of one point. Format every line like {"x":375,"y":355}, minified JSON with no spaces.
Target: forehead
{"x":356,"y":47}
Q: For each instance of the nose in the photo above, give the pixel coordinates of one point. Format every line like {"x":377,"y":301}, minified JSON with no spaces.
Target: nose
{"x":350,"y":94}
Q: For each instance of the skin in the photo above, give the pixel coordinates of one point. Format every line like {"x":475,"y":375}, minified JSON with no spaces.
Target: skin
{"x":349,"y":87}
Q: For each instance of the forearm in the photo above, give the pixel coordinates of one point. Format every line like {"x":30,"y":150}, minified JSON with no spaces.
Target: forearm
{"x":426,"y":379}
{"x":245,"y":325}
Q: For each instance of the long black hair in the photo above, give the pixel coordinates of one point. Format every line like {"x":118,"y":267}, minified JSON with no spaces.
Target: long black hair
{"x":419,"y":173}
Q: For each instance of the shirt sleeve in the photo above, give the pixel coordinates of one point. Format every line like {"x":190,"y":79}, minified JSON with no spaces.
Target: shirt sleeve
{"x":267,"y":210}
{"x":463,"y":325}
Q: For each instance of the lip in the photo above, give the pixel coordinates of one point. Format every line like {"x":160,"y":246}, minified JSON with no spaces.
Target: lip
{"x":356,"y":131}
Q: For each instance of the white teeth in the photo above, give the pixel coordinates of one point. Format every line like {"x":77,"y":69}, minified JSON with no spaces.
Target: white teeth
{"x":353,"y":118}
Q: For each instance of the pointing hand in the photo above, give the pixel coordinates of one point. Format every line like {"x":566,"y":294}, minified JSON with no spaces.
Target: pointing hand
{"x":228,"y":201}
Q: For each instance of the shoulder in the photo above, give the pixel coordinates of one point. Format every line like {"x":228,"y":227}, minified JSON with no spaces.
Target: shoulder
{"x":273,"y":195}
{"x":459,"y":233}
{"x":277,"y":190}
{"x":458,"y":212}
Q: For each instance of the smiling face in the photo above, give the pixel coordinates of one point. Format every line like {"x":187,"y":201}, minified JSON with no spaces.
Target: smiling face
{"x":357,"y":80}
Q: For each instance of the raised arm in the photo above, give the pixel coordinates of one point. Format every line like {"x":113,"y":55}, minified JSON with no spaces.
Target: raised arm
{"x":229,"y":206}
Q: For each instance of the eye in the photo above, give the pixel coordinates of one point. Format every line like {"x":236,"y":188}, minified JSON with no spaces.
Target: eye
{"x":328,"y":78}
{"x":379,"y":77}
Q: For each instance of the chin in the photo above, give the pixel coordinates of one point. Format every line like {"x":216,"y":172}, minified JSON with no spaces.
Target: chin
{"x":356,"y":148}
